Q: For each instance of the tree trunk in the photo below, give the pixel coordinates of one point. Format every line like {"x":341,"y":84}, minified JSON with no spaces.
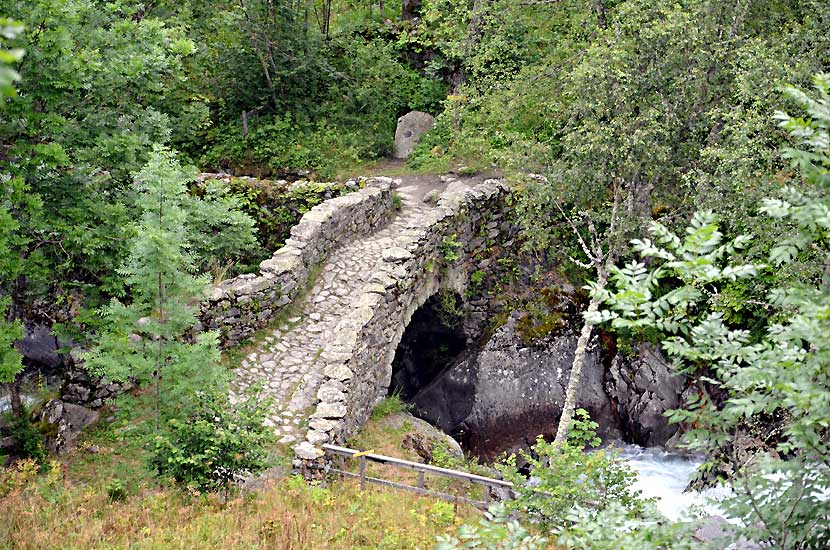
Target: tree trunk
{"x":410,"y":9}
{"x":326,"y":18}
{"x":15,"y":401}
{"x":602,"y":18}
{"x":575,"y":378}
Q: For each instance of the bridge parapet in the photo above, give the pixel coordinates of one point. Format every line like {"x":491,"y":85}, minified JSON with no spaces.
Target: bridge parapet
{"x":238,"y":307}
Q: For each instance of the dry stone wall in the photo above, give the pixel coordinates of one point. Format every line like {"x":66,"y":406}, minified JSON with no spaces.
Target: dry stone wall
{"x":359,"y":356}
{"x":236,"y":308}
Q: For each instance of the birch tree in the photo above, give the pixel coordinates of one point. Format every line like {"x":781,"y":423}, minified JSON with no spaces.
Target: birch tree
{"x":602,"y":250}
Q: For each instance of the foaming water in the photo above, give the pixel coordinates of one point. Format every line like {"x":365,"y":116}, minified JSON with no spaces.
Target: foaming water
{"x":6,"y":404}
{"x":664,"y":476}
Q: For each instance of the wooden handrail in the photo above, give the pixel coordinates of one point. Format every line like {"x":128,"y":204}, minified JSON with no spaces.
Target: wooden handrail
{"x":418,"y":467}
{"x":364,"y":457}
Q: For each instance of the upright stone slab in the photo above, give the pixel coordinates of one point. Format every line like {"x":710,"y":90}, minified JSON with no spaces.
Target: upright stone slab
{"x":411,"y":127}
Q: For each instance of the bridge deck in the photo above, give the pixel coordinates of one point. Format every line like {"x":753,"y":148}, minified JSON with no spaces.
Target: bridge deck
{"x":288,"y":361}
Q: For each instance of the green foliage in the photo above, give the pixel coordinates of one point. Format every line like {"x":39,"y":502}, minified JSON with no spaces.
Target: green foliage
{"x":147,"y":337}
{"x":430,"y":151}
{"x":449,"y":308}
{"x":275,"y":208}
{"x":27,"y":435}
{"x":397,"y":201}
{"x":783,"y":500}
{"x":216,"y":444}
{"x":799,"y":207}
{"x":784,"y":373}
{"x":390,"y":404}
{"x":670,"y":296}
{"x":654,"y":98}
{"x":96,"y":91}
{"x":283,"y":146}
{"x":116,"y":490}
{"x":9,"y":29}
{"x":219,"y":232}
{"x":449,"y":248}
{"x":487,"y":42}
{"x":565,"y":478}
{"x":476,"y":282}
{"x":495,"y":531}
{"x":614,"y":529}
{"x":343,"y":118}
{"x":10,"y":359}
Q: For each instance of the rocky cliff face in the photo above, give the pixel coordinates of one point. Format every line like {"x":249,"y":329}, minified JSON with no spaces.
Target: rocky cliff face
{"x":501,"y":396}
{"x":641,"y":388}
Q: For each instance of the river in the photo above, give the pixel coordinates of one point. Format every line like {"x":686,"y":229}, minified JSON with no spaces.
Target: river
{"x":664,"y":475}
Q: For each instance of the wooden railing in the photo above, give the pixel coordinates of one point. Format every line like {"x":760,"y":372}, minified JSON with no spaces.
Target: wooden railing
{"x":363,"y":458}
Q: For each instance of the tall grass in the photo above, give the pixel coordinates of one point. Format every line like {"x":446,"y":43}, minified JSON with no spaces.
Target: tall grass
{"x":390,"y":405}
{"x":289,"y":514}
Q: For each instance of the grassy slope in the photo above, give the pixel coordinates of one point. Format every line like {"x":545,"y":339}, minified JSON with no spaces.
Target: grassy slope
{"x":71,"y":506}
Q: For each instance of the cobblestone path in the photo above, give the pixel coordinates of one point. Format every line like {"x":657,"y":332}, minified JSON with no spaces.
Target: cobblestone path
{"x":289,"y":360}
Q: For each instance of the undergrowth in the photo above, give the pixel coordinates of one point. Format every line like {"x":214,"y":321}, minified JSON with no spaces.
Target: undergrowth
{"x":390,"y":405}
{"x":103,"y":495}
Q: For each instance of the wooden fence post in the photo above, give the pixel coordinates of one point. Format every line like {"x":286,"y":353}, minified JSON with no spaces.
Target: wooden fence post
{"x":362,"y":472}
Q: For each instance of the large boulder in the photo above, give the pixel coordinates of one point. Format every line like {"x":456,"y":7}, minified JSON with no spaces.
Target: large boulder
{"x":423,"y":438}
{"x":68,"y":421}
{"x":719,"y":533}
{"x":642,"y":388}
{"x":509,"y":392}
{"x":411,"y":127}
{"x":40,"y":346}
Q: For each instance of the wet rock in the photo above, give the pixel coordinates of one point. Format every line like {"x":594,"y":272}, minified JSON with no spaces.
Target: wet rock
{"x":643,"y":388}
{"x":508,"y":393}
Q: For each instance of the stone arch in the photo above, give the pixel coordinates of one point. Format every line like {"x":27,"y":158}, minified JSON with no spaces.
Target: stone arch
{"x":359,"y":357}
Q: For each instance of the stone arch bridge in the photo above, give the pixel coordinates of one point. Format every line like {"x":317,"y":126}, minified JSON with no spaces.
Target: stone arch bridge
{"x":328,"y":310}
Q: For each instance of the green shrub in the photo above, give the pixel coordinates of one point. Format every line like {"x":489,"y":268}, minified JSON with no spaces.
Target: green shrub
{"x":349,"y":119}
{"x":216,"y":445}
{"x":28,"y":436}
{"x":390,"y":405}
{"x":449,"y":308}
{"x":431,"y":149}
{"x":567,"y":478}
{"x":495,"y":531}
{"x":614,"y":529}
{"x":116,"y":491}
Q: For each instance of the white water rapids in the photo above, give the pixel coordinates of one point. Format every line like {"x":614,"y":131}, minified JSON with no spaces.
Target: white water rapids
{"x":664,"y":476}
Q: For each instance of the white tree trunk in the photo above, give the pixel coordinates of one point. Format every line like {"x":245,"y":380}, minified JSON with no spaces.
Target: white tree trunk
{"x":574,"y":378}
